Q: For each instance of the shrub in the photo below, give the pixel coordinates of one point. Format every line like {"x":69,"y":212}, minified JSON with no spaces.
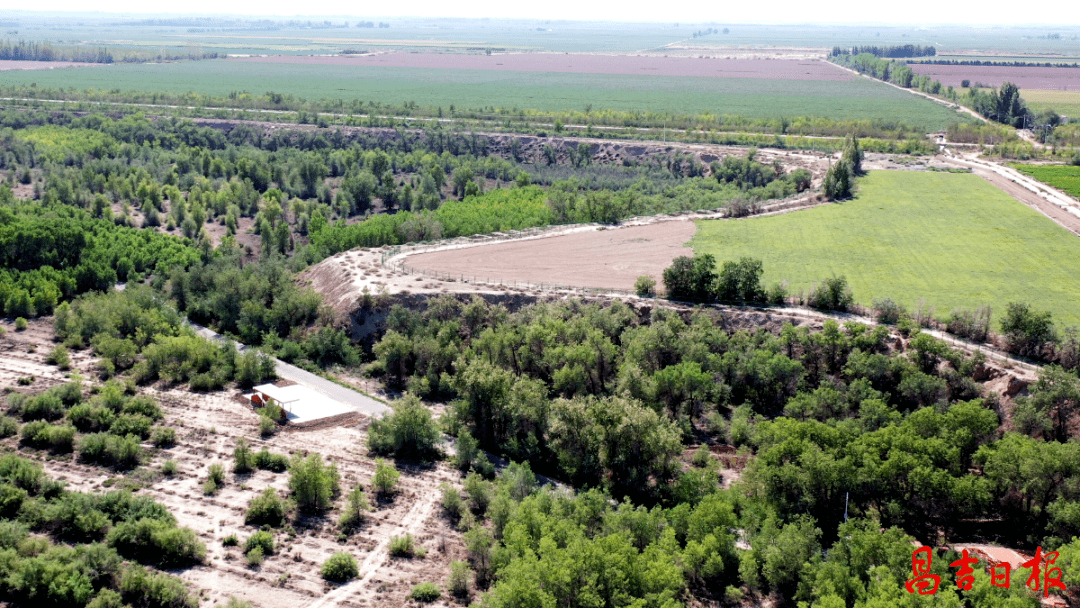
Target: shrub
{"x":356,"y":508}
{"x":777,"y":294}
{"x":106,"y":449}
{"x":832,"y":294}
{"x":278,"y":463}
{"x":458,"y":581}
{"x":267,"y":426}
{"x":60,"y":357}
{"x":143,"y":406}
{"x":21,"y":324}
{"x":262,"y":540}
{"x":215,"y":478}
{"x":386,"y":478}
{"x":425,"y":593}
{"x":8,"y":426}
{"x":451,"y":501}
{"x":405,"y":546}
{"x":41,"y":434}
{"x":312,"y":483}
{"x":141,"y":587}
{"x":157,"y":543}
{"x":645,"y":286}
{"x":409,"y":432}
{"x":266,"y":509}
{"x":340,"y":567}
{"x":236,"y":603}
{"x":163,"y":436}
{"x":1026,"y":331}
{"x":888,"y":311}
{"x":230,"y":541}
{"x":131,"y":424}
{"x":467,"y":450}
{"x":970,"y":324}
{"x":255,"y":556}
{"x":89,"y":418}
{"x":479,"y":492}
{"x":169,"y":467}
{"x":43,"y":406}
{"x":242,"y":457}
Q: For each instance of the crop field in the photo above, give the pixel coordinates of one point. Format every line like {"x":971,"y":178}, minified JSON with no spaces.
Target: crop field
{"x":1062,"y":102}
{"x":952,"y":240}
{"x":546,"y":91}
{"x":1055,"y":79}
{"x":1064,"y":178}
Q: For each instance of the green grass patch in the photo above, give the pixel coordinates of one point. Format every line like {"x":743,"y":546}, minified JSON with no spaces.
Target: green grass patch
{"x":950,"y":239}
{"x":1063,"y":177}
{"x":859,"y":98}
{"x":1062,"y":102}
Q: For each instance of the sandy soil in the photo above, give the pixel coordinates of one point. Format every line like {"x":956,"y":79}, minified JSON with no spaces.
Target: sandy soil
{"x":583,"y":63}
{"x":610,"y":259}
{"x":208,"y":426}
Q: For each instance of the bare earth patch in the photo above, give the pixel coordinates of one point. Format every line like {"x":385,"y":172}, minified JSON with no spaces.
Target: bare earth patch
{"x":610,"y":259}
{"x":1056,"y":79}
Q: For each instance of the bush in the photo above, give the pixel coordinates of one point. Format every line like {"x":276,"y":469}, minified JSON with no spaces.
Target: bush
{"x":169,"y":467}
{"x":409,"y":432}
{"x":230,"y":541}
{"x":21,"y":324}
{"x":243,"y":460}
{"x":888,"y":311}
{"x":1026,"y":331}
{"x":262,"y":540}
{"x":163,"y":436}
{"x":356,"y":508}
{"x":106,"y":449}
{"x":386,"y":478}
{"x":140,"y":587}
{"x":339,"y":568}
{"x":312,"y":483}
{"x":60,"y":357}
{"x":405,"y":546}
{"x":458,"y":581}
{"x":645,"y":286}
{"x":451,"y":501}
{"x":215,"y":478}
{"x":266,"y":509}
{"x":131,"y":424}
{"x":90,"y":418}
{"x":832,"y":294}
{"x":425,"y":593}
{"x":777,"y":294}
{"x":972,"y":325}
{"x":255,"y":556}
{"x":8,"y":426}
{"x":41,"y":434}
{"x":157,"y":543}
{"x":267,"y":426}
{"x":278,"y":463}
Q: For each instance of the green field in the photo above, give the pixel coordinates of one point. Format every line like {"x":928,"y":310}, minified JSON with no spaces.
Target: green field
{"x":950,"y":239}
{"x":468,"y":89}
{"x":1062,"y":102}
{"x":1063,"y":177}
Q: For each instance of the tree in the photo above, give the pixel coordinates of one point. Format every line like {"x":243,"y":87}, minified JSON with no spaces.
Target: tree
{"x":408,"y":432}
{"x":691,"y":278}
{"x":838,"y":182}
{"x":740,"y":281}
{"x":312,"y":483}
{"x":386,"y":478}
{"x":1027,"y":331}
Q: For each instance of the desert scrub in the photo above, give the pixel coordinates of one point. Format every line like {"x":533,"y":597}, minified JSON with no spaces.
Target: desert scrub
{"x":163,"y":436}
{"x":265,"y":460}
{"x":21,"y":324}
{"x":8,"y":426}
{"x":405,"y":546}
{"x":425,"y":593}
{"x":230,"y":541}
{"x":243,"y":460}
{"x":169,"y":467}
{"x":260,"y":540}
{"x":266,"y":509}
{"x":386,"y":478}
{"x":458,"y":581}
{"x":214,"y":480}
{"x":59,"y":357}
{"x":340,"y":567}
{"x":356,"y":508}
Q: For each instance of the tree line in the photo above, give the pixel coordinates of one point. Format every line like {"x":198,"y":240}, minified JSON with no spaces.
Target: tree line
{"x":899,"y":51}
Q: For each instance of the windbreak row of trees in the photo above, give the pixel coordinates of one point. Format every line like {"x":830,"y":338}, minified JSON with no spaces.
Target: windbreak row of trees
{"x":34,"y":50}
{"x":899,"y":51}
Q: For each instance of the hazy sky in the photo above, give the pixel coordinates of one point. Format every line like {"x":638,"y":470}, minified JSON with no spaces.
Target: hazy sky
{"x":690,"y":11}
